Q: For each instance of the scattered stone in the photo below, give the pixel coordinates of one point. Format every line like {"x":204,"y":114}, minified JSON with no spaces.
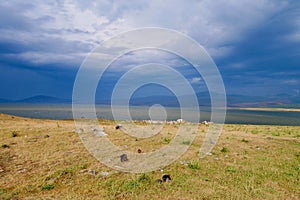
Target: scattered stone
{"x":216,"y":158}
{"x":46,"y":136}
{"x":258,"y":148}
{"x":166,"y":178}
{"x":97,"y":129}
{"x":179,"y":120}
{"x":101,"y":133}
{"x":118,"y":126}
{"x":92,"y":172}
{"x":124,"y":157}
{"x":83,"y":171}
{"x":226,"y":156}
{"x":79,"y":131}
{"x":68,"y":153}
{"x":5,"y":146}
{"x":1,"y":169}
{"x":205,"y":123}
{"x":139,"y":150}
{"x":22,"y":170}
{"x":104,"y":174}
{"x":184,"y":162}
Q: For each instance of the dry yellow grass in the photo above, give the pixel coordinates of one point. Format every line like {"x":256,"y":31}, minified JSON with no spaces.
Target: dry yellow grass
{"x":45,"y":159}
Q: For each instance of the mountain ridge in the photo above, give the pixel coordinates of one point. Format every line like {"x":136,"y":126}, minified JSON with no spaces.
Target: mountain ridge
{"x":171,"y":101}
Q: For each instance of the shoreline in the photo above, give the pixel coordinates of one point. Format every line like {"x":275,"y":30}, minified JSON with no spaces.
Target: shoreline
{"x":268,"y":109}
{"x":207,"y":123}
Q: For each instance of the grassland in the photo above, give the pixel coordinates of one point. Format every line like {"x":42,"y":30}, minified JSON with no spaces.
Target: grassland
{"x":45,"y":159}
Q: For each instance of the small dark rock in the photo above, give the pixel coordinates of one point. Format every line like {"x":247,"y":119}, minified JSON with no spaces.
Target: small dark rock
{"x":92,"y":172}
{"x":118,"y":126}
{"x":124,"y":157}
{"x":5,"y":146}
{"x":166,"y":178}
{"x":139,"y":150}
{"x":14,"y":134}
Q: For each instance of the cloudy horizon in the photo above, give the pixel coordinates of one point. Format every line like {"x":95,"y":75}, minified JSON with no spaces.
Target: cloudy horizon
{"x":255,"y":44}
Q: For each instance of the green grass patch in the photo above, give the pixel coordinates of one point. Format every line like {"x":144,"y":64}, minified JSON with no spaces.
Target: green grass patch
{"x":166,"y":140}
{"x":194,"y":165}
{"x":48,"y":187}
{"x":186,"y":142}
{"x":230,"y":169}
{"x":275,"y":133}
{"x":224,"y":150}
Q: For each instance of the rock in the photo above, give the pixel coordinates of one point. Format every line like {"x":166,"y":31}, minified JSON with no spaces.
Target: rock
{"x":22,"y":170}
{"x":185,"y":162}
{"x":83,"y":171}
{"x":92,"y":172}
{"x":179,"y":120}
{"x":205,"y":123}
{"x":166,"y":178}
{"x":97,"y":129}
{"x":100,"y":133}
{"x":104,"y":174}
{"x":79,"y":131}
{"x":67,"y":153}
{"x":139,"y":151}
{"x":124,"y":157}
{"x":118,"y":126}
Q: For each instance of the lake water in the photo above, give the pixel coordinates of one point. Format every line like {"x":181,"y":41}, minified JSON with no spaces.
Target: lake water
{"x":141,"y":113}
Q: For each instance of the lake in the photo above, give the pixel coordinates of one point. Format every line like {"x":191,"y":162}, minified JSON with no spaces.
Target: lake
{"x":233,"y":116}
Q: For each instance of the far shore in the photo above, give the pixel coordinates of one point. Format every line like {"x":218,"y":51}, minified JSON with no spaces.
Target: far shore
{"x":268,"y":109}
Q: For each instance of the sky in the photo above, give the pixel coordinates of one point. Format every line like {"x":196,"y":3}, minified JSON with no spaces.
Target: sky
{"x":254,"y":43}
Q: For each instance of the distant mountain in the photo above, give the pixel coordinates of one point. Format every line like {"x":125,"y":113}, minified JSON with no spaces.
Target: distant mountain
{"x":280,"y":100}
{"x":41,"y":99}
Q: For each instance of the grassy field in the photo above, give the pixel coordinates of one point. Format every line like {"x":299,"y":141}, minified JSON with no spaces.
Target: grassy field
{"x":45,"y":159}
